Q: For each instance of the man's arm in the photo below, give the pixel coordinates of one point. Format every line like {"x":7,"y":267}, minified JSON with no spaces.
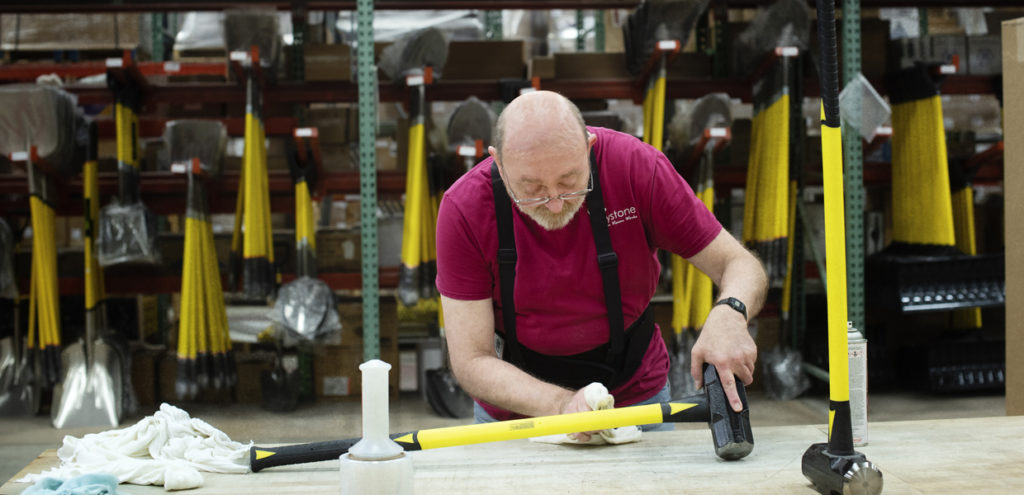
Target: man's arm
{"x":724,"y":340}
{"x":469,"y":329}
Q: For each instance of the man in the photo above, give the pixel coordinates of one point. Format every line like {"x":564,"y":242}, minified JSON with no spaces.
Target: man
{"x":578,"y":312}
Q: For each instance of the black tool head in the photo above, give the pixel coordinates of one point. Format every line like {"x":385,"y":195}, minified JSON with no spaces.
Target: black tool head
{"x":840,"y":474}
{"x":729,"y":429}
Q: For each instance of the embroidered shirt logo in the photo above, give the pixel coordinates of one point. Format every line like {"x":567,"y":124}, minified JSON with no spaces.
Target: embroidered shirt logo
{"x":619,"y":216}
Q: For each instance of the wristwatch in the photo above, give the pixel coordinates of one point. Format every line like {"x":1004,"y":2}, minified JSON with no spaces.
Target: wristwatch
{"x":735,"y":304}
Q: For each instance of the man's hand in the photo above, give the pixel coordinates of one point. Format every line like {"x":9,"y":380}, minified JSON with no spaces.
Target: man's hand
{"x":574,"y":404}
{"x":725,"y":343}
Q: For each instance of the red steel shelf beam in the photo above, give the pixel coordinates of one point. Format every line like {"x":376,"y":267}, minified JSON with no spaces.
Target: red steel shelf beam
{"x":169,"y":283}
{"x":64,"y":6}
{"x":164,"y":192}
{"x":28,"y":72}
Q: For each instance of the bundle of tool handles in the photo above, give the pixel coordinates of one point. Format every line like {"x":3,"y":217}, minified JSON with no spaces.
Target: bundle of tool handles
{"x":255,"y":267}
{"x":204,"y":354}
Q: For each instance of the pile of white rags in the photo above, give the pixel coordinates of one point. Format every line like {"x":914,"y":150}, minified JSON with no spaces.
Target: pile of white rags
{"x":168,"y":448}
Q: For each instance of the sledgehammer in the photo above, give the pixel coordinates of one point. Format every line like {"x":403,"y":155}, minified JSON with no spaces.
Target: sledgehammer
{"x":834,"y":467}
{"x":730,"y":430}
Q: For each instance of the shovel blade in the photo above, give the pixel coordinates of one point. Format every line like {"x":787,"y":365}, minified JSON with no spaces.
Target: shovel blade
{"x":90,"y":394}
{"x":17,"y":397}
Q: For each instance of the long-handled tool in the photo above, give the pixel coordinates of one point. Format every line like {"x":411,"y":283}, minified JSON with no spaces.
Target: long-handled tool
{"x":305,"y":306}
{"x":92,"y":390}
{"x":835,"y":467}
{"x":196,"y":149}
{"x":127,"y":229}
{"x":730,"y":430}
{"x":17,"y":396}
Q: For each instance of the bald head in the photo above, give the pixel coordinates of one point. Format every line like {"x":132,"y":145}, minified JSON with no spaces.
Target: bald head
{"x":539,"y":120}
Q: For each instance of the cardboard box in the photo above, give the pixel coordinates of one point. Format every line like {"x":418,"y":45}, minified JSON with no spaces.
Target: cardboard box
{"x":984,"y":55}
{"x":336,"y":374}
{"x":689,"y":65}
{"x":484,"y":60}
{"x":351,"y":316}
{"x":1013,"y":185}
{"x":77,"y":31}
{"x":542,"y":67}
{"x":339,"y":250}
{"x":945,"y":46}
{"x":591,"y":66}
{"x":327,"y":62}
{"x":336,"y":124}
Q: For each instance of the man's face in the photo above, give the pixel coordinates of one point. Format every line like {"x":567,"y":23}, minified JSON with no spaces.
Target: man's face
{"x":544,"y":176}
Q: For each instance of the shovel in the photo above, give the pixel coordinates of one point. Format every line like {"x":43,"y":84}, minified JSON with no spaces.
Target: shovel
{"x":17,"y":393}
{"x":92,"y":391}
{"x":127,"y":229}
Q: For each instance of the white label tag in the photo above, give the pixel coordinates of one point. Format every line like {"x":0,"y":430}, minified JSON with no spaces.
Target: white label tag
{"x":414,"y":80}
{"x":115,"y":62}
{"x":304,"y":132}
{"x":718,"y":132}
{"x":19,"y":156}
{"x":172,"y":67}
{"x":666,"y":45}
{"x":499,"y":344}
{"x":336,"y":386}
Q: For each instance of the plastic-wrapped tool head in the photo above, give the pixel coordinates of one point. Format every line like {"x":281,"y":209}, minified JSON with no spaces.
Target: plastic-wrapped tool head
{"x":658,"y":20}
{"x":414,"y":51}
{"x":203,"y":139}
{"x":305,"y":307}
{"x":127,"y":234}
{"x":7,"y":288}
{"x":244,"y":28}
{"x":47,"y":118}
{"x":783,"y":23}
{"x":472,"y":120}
{"x":711,"y":110}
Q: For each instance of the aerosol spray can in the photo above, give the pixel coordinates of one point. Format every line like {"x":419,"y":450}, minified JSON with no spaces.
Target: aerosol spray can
{"x":857,"y":347}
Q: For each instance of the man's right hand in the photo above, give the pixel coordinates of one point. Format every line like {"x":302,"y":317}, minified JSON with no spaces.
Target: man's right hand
{"x":575,"y":403}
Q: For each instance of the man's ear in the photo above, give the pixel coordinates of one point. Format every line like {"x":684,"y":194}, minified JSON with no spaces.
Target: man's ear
{"x":493,"y":152}
{"x":591,"y":139}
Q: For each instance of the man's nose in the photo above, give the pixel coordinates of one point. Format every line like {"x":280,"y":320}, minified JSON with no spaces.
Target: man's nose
{"x":555,"y":205}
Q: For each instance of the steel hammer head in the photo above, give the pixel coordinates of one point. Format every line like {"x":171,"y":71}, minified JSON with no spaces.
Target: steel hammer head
{"x":847,"y":474}
{"x":730,"y":429}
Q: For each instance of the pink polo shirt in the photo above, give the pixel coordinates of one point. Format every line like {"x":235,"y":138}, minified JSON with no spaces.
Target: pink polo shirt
{"x":559,"y":298}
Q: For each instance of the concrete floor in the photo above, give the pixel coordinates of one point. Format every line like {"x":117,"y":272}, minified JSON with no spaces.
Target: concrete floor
{"x":22,"y":439}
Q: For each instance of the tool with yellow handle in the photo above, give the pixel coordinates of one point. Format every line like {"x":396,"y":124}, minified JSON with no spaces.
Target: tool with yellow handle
{"x":730,"y":430}
{"x":834,"y":467}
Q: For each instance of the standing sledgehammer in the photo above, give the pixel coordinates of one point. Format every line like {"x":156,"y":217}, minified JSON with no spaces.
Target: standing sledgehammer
{"x":835,"y":467}
{"x":730,"y":430}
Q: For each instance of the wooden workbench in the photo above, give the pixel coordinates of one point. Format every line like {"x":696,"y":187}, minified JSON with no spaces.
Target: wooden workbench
{"x":977,"y":456}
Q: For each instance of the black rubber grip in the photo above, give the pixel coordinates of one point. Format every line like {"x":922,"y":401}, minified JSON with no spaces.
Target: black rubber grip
{"x":828,"y":75}
{"x":264,"y":457}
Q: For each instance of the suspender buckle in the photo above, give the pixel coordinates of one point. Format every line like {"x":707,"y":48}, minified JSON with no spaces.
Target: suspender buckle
{"x":507,"y":256}
{"x":607,"y":260}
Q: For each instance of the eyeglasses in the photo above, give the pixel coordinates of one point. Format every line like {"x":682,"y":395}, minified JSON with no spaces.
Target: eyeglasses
{"x":544,"y":200}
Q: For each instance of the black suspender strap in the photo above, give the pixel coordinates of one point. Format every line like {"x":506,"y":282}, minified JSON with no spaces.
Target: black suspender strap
{"x":608,"y":262}
{"x":506,"y":262}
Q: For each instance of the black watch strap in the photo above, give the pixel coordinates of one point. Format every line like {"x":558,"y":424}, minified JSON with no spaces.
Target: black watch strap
{"x":734,"y":303}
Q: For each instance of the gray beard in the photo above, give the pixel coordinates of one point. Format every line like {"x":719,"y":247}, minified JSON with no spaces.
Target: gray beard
{"x":554,"y":221}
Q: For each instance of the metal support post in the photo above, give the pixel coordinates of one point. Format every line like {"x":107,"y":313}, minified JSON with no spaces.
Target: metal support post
{"x":367,"y":80}
{"x":853,"y":173}
{"x":493,"y":29}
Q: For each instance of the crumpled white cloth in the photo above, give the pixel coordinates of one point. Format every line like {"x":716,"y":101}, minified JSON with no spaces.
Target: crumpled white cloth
{"x":597,"y":398}
{"x":168,"y":448}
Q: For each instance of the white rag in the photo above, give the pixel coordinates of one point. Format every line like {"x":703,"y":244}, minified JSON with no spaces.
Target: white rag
{"x":597,"y":398}
{"x":168,"y":448}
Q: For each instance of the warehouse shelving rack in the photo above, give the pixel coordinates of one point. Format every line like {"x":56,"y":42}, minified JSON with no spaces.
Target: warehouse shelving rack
{"x":162,"y":188}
